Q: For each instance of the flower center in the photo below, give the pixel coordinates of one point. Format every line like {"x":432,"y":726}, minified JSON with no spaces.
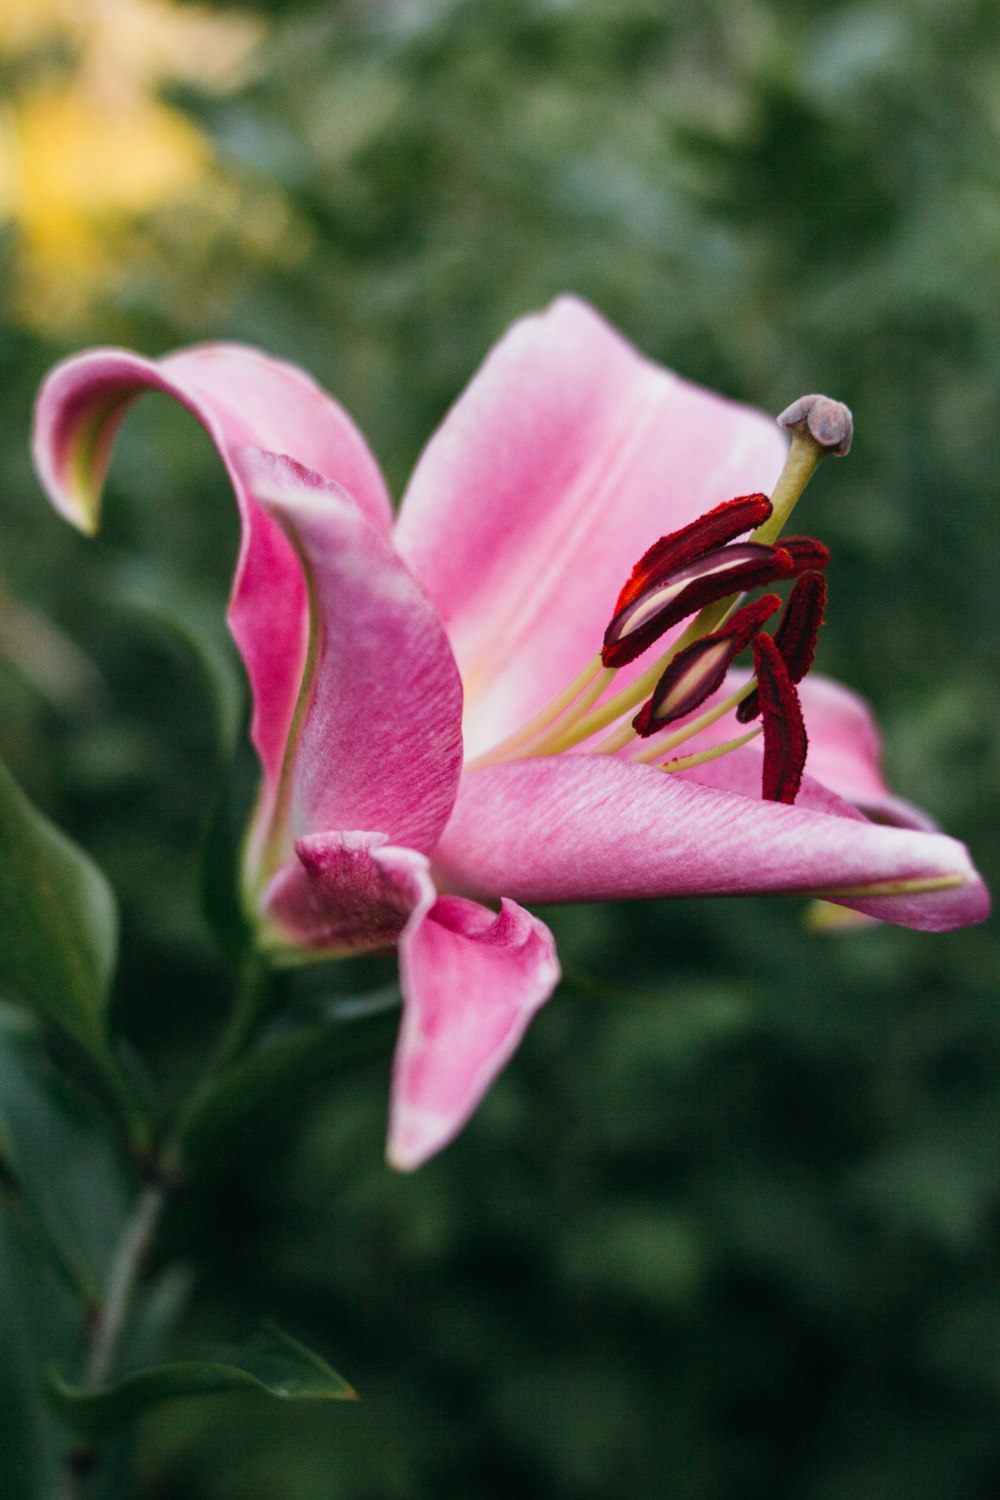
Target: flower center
{"x":701,"y":573}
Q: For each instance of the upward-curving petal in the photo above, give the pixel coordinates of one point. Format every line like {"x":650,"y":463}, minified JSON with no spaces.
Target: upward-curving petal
{"x":588,"y":827}
{"x":566,"y":457}
{"x":377,"y":741}
{"x":242,"y":398}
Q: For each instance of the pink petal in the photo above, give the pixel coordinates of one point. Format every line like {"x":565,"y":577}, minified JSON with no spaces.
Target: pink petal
{"x":565,"y":458}
{"x":591,"y":828}
{"x":845,"y":752}
{"x":346,"y":892}
{"x":240,"y":397}
{"x":472,"y":981}
{"x":742,"y":771}
{"x":379,"y":744}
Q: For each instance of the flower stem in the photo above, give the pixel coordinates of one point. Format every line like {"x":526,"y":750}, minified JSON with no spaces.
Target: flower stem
{"x":123,"y":1277}
{"x":109,"y":1324}
{"x":111,"y":1321}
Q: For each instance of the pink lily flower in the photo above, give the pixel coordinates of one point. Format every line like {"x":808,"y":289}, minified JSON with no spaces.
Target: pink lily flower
{"x":430,"y":735}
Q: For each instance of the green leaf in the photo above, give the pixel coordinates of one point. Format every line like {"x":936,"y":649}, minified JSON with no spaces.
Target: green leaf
{"x":281,"y":1067}
{"x":39,"y":1322}
{"x":179,"y":612}
{"x":59,"y":924}
{"x":63,"y":1155}
{"x":270,"y":1362}
{"x":188,"y":622}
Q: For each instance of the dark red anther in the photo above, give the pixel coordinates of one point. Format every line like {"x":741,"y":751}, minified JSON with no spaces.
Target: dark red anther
{"x":713,"y":576}
{"x":719,"y":526}
{"x":744,"y":623}
{"x":697,"y":671}
{"x":785,"y":742}
{"x":796,"y":635}
{"x":806,"y":553}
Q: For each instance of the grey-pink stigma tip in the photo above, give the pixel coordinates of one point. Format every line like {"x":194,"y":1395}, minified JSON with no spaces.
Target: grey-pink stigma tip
{"x":829,"y":422}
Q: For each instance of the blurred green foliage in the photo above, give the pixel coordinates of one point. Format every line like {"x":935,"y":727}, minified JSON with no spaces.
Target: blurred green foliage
{"x":730,"y":1224}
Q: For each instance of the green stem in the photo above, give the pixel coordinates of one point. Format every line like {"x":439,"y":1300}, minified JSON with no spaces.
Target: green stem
{"x":248,"y":1014}
{"x":110,"y":1322}
{"x":123,"y":1278}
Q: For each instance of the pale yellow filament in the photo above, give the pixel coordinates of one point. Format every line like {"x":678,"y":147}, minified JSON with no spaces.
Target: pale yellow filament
{"x":576,"y":714}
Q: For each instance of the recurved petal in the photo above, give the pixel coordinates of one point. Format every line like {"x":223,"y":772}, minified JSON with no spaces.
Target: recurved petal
{"x":345,"y":893}
{"x":587,"y":827}
{"x":472,"y":980}
{"x":241,"y":397}
{"x":377,"y":741}
{"x":567,"y":456}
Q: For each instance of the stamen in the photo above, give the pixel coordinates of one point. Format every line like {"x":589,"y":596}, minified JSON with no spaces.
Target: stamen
{"x":700,"y":669}
{"x":796,"y":635}
{"x":659,"y":746}
{"x":819,"y":427}
{"x":714,"y":529}
{"x":701,"y":757}
{"x":785,"y":742}
{"x":580,"y":695}
{"x":717,"y":575}
{"x":807,"y":553}
{"x":688,"y":680}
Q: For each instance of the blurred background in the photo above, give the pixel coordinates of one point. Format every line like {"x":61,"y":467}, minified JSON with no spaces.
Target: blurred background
{"x":729,"y":1227}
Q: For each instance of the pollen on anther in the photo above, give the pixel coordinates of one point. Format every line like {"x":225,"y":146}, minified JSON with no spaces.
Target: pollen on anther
{"x":785,"y":742}
{"x":697,"y":671}
{"x":716,"y":575}
{"x":714,"y":529}
{"x":796,"y":635}
{"x":807,"y":554}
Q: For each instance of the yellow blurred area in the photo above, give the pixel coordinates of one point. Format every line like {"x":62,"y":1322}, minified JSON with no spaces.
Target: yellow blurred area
{"x":88,"y":151}
{"x":130,"y":43}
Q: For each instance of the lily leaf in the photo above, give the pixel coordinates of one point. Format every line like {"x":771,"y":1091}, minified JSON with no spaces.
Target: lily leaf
{"x":59,"y":922}
{"x":179,"y":613}
{"x":280,"y":1068}
{"x":39,"y":1321}
{"x":184,"y":619}
{"x":59,"y":1150}
{"x":270,"y":1362}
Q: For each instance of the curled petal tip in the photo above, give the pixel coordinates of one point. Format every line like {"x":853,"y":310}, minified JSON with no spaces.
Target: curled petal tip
{"x":414,"y":1139}
{"x":828,"y":422}
{"x":76,"y":418}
